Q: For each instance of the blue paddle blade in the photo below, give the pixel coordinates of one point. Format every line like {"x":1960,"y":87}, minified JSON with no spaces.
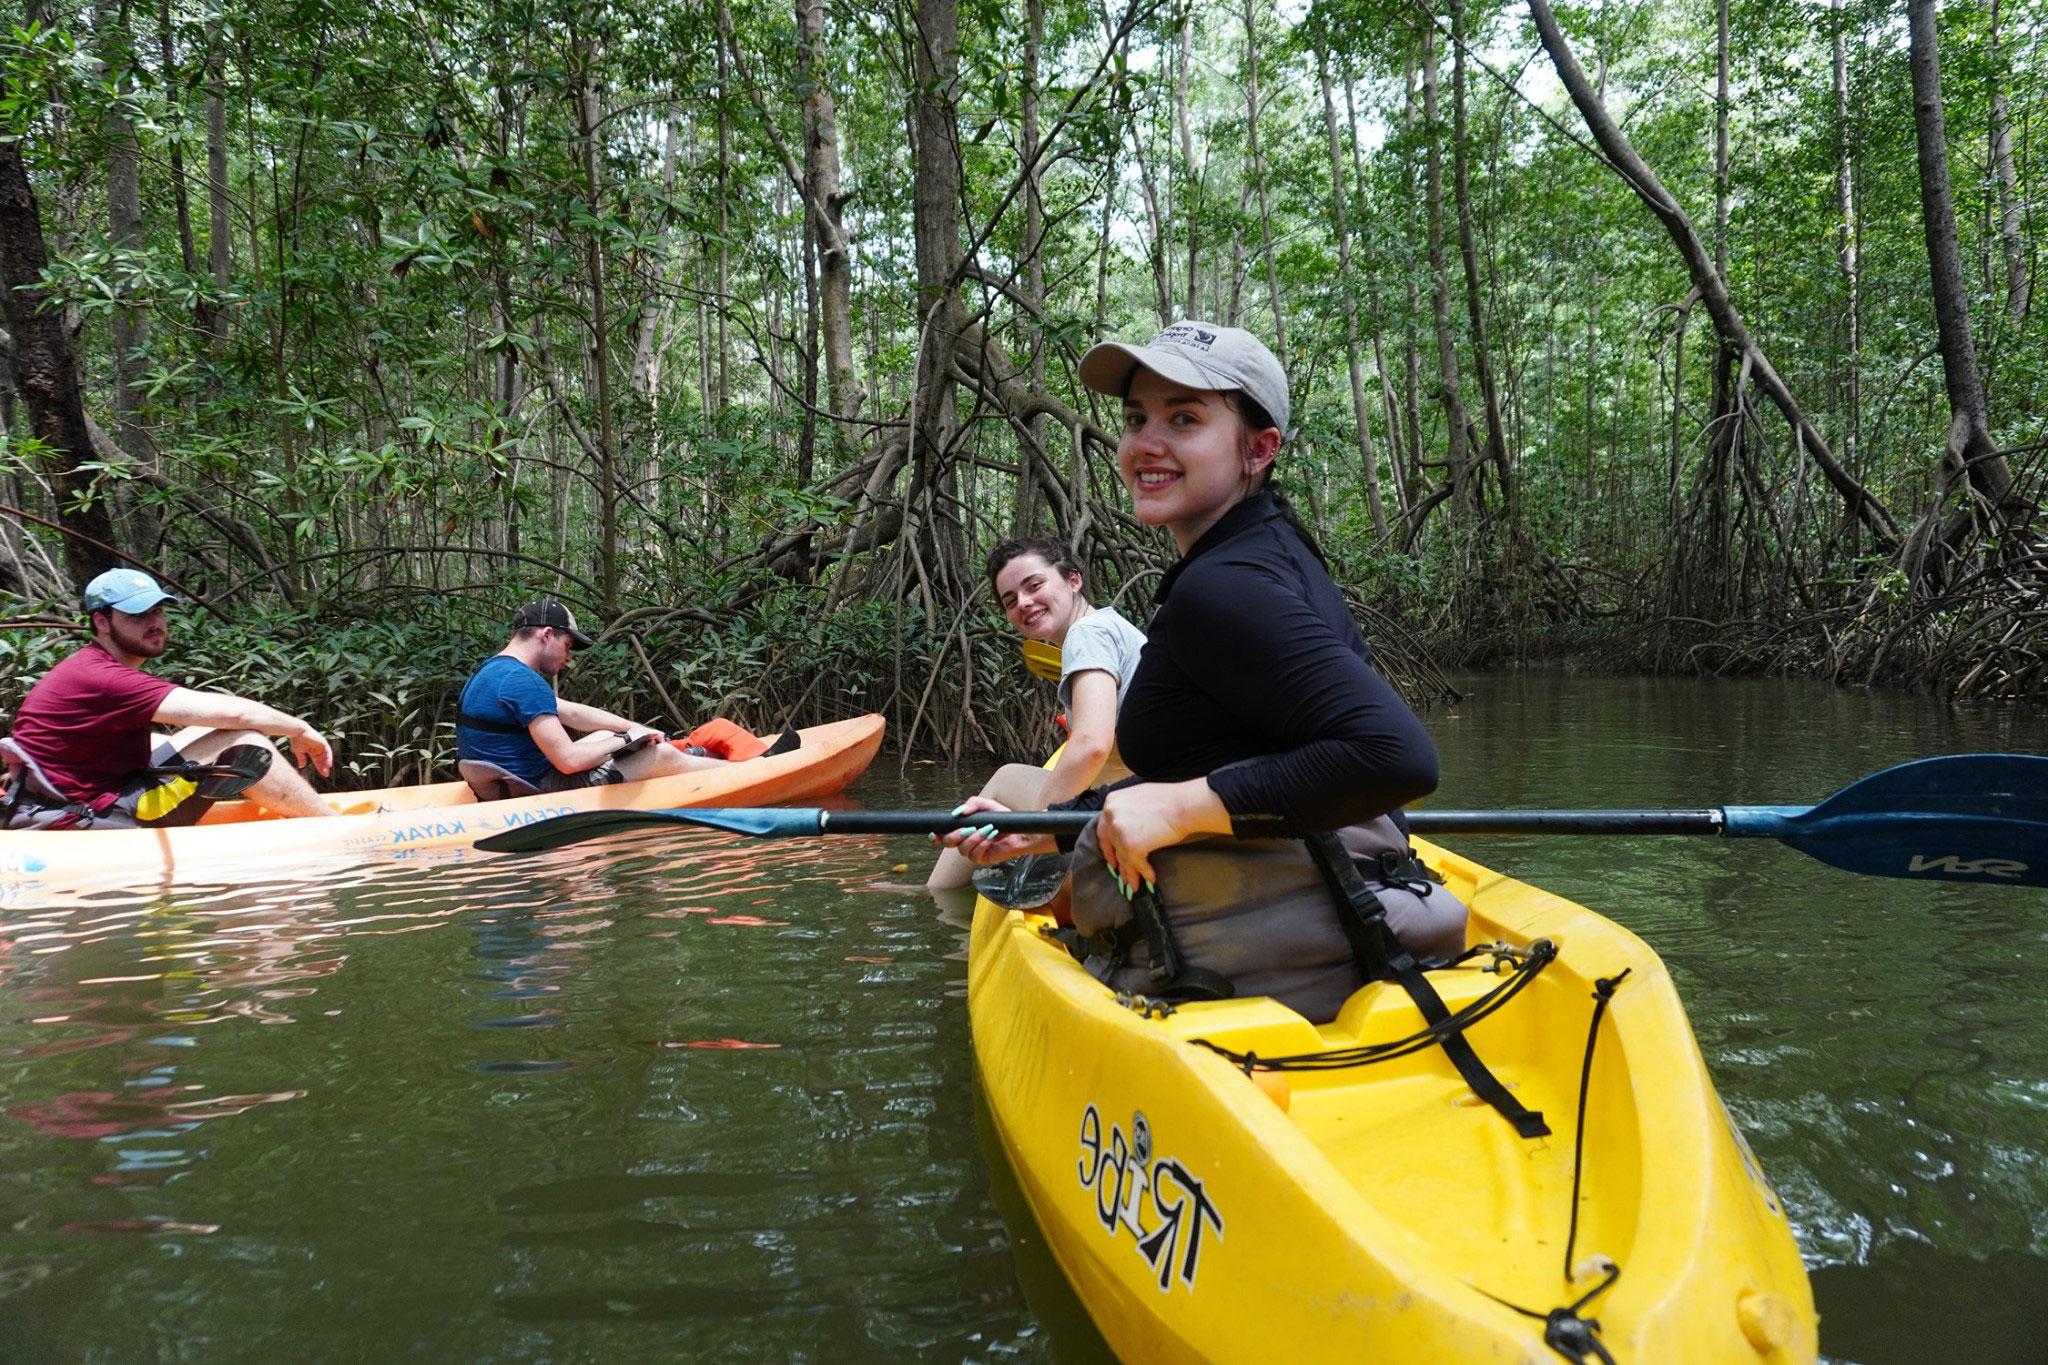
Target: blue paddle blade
{"x":574,"y":828}
{"x":1978,"y":818}
{"x":764,"y":822}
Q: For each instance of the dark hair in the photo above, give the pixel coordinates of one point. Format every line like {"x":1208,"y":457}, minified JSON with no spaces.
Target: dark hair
{"x":1256,"y":419}
{"x":1254,"y":412}
{"x":1046,"y":548}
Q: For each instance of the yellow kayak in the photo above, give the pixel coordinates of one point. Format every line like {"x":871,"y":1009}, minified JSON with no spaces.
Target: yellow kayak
{"x":403,"y":822}
{"x":1206,"y":1212}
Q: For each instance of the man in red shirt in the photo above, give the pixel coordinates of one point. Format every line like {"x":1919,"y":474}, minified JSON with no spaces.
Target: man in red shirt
{"x":87,"y":726}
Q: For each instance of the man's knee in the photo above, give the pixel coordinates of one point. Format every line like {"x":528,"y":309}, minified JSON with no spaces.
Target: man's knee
{"x":661,"y":760}
{"x":198,"y":745}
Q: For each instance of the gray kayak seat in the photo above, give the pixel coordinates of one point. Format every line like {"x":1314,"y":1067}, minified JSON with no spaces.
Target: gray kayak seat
{"x":493,"y":783}
{"x":21,"y":768}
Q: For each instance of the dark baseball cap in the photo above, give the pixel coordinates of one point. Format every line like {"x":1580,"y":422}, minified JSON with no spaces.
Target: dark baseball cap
{"x":546,"y":611}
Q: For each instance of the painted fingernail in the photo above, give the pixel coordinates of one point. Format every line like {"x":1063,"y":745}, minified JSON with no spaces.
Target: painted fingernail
{"x":987,"y":831}
{"x":1149,"y":888}
{"x":960,"y":809}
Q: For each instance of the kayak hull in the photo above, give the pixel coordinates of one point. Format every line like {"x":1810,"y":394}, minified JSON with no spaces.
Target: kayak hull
{"x":1385,"y":1210}
{"x":403,"y":822}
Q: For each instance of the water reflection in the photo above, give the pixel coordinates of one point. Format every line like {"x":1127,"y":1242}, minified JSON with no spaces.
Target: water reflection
{"x":684,"y":1094}
{"x":695,"y":1085}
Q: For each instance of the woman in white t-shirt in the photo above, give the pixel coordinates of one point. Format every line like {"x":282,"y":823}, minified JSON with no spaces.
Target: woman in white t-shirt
{"x":1037,"y":583}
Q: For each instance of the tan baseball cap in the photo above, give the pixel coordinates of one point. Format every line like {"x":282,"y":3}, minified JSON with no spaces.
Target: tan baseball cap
{"x":1201,"y":355}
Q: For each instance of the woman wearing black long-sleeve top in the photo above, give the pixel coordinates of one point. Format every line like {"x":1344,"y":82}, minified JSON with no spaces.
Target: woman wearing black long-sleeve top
{"x":1255,"y":710}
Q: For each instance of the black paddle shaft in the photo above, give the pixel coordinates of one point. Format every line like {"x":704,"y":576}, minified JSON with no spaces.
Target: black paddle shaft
{"x":940,"y":821}
{"x":1421,"y":821}
{"x":1565,"y":821}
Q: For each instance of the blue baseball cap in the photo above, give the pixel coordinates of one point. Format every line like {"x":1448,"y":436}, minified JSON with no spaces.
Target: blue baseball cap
{"x":128,"y":590}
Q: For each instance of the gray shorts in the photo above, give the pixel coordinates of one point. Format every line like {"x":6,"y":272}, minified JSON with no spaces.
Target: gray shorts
{"x":603,"y":775}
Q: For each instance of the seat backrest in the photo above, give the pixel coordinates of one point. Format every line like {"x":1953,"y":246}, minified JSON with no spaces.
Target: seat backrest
{"x":23,"y":768}
{"x":493,"y":783}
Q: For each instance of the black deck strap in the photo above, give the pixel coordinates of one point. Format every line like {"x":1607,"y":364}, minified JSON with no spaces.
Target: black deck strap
{"x":1564,"y":1330}
{"x":1540,"y":954}
{"x":1172,"y":977}
{"x":1603,"y":992}
{"x":1381,"y":955}
{"x":493,"y":727}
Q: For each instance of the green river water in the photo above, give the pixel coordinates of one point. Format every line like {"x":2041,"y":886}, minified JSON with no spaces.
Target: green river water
{"x":693,"y":1097}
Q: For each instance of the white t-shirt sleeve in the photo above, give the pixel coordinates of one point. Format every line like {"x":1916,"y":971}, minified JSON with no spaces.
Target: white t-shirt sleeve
{"x":1101,"y":641}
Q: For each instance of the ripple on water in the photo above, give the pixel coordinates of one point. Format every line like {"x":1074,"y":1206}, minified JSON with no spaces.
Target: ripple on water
{"x":286,"y":1111}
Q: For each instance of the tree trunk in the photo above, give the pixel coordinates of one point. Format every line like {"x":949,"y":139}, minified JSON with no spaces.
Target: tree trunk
{"x":1713,"y":287}
{"x":1482,"y":363}
{"x":935,"y":60}
{"x":220,"y":223}
{"x":645,"y":376}
{"x":724,"y":389}
{"x":1846,"y":252}
{"x":1155,"y":218}
{"x":507,"y":389}
{"x":1191,"y":200}
{"x":807,"y":432}
{"x":828,"y":204}
{"x":1235,"y":312}
{"x":2011,"y":234}
{"x":1030,"y":496}
{"x":1411,"y":350}
{"x":1971,"y":450}
{"x":1377,"y":316}
{"x":45,"y":375}
{"x":130,"y":324}
{"x":1721,"y":138}
{"x":1459,"y":473}
{"x":588,"y":120}
{"x":188,"y":248}
{"x":1360,"y":410}
{"x":1251,"y":70}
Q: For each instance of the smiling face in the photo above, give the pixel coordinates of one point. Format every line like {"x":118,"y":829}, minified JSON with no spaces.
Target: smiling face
{"x":1038,"y":599}
{"x":1187,"y":455}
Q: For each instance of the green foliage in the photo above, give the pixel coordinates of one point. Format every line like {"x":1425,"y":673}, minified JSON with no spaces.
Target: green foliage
{"x":393,"y":394}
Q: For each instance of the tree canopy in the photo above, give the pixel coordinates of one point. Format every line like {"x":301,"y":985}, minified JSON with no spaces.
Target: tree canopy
{"x":1696,"y":336}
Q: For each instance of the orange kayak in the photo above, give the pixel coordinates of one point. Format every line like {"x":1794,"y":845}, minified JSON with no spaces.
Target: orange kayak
{"x":401,"y":822}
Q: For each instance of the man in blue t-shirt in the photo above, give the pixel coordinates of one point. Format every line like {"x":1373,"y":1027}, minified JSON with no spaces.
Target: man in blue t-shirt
{"x":510,"y":715}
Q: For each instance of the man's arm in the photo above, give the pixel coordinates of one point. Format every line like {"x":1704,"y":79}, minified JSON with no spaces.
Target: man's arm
{"x":225,"y":711}
{"x":575,"y":755}
{"x":584,"y":719}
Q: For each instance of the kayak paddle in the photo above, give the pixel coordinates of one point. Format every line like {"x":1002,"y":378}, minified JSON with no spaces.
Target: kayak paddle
{"x":240,"y":767}
{"x":1980,"y":818}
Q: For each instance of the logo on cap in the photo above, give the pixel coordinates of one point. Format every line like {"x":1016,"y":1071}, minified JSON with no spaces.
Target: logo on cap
{"x":1186,"y":334}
